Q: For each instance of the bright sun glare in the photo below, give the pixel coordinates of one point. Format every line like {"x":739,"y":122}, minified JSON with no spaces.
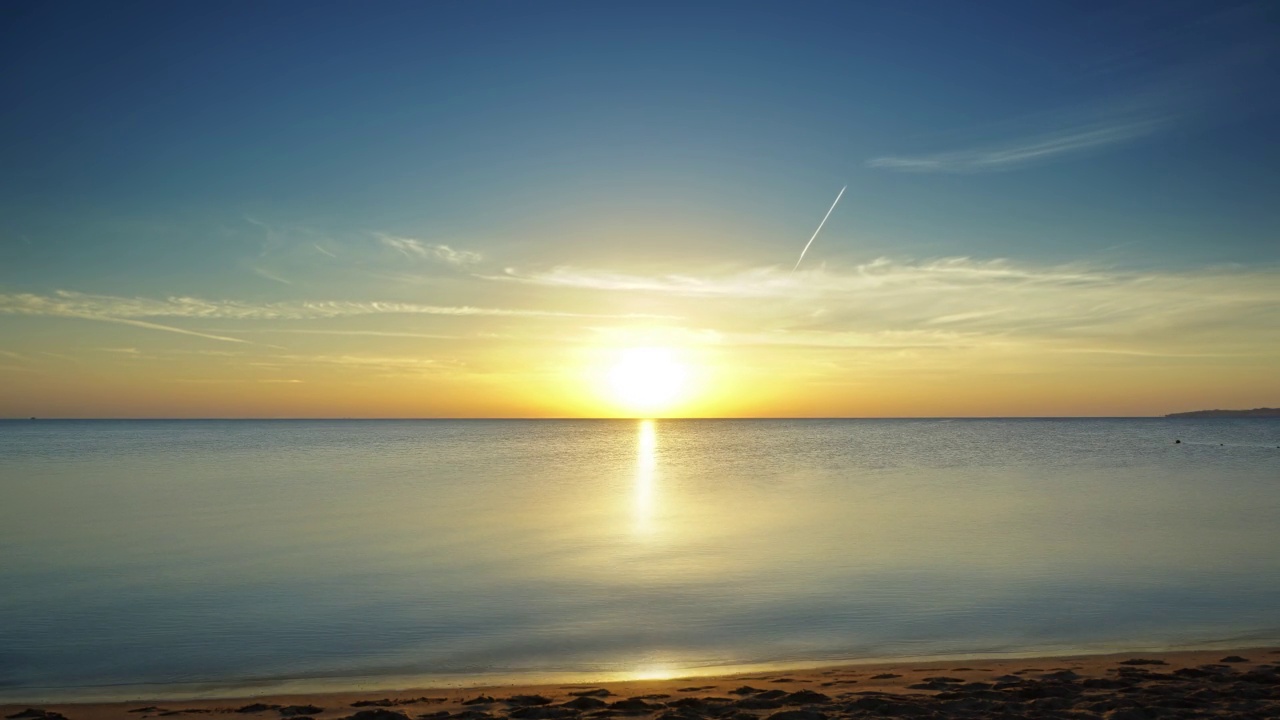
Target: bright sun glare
{"x":647,"y":379}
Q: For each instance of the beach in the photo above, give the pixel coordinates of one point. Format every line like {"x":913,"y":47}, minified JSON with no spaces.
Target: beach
{"x":1240,"y":683}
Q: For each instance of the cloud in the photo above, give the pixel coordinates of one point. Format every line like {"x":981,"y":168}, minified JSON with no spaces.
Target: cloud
{"x":387,"y":366}
{"x":1141,"y":104}
{"x":883,"y":305}
{"x":1022,"y":151}
{"x":1196,"y":63}
{"x":360,"y":333}
{"x":759,"y":282}
{"x":110,"y":308}
{"x":850,"y":339}
{"x":416,"y":249}
{"x":263,"y":272}
{"x":292,"y":254}
{"x":126,"y":321}
{"x":770,"y":282}
{"x":962,"y":301}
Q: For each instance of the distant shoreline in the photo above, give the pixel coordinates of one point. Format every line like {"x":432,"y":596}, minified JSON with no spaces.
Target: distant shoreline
{"x":1254,"y":413}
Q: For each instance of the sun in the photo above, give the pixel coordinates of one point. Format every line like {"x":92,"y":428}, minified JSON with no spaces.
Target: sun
{"x":647,"y":379}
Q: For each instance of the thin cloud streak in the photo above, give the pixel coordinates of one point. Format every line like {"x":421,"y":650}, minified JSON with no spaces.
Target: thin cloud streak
{"x":148,"y":326}
{"x":1180,"y":95}
{"x":418,"y":250}
{"x":1021,"y":152}
{"x":357,"y":333}
{"x":815,"y":232}
{"x":265,"y":273}
{"x":758,"y":282}
{"x":385,"y":366}
{"x":1143,"y":353}
{"x":952,"y":299}
{"x":885,"y":340}
{"x":110,"y":308}
{"x":769,"y":282}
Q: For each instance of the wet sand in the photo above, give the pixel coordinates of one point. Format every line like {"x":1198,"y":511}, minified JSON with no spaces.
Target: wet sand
{"x":1243,"y":683}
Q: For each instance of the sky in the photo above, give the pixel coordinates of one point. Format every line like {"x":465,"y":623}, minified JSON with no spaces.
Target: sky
{"x":586,"y":209}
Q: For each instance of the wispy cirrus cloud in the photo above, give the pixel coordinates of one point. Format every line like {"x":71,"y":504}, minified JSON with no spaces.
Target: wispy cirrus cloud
{"x":383,"y":365}
{"x":301,"y":255}
{"x":957,"y":301}
{"x":756,"y":282}
{"x":418,"y":250}
{"x":833,"y":339}
{"x":234,"y":381}
{"x":109,"y":308}
{"x":1159,"y":95}
{"x":269,"y":275}
{"x":764,"y":282}
{"x":359,"y":333}
{"x":134,"y":323}
{"x":1145,"y":92}
{"x":1023,"y":151}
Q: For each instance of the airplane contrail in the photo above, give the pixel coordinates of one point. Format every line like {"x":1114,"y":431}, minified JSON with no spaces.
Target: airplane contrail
{"x":815,"y":232}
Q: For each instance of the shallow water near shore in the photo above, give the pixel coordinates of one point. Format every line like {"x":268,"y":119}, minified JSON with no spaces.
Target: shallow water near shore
{"x":238,"y":552}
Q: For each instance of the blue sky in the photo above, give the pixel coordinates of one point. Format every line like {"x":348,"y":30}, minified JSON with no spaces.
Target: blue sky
{"x":265,"y":152}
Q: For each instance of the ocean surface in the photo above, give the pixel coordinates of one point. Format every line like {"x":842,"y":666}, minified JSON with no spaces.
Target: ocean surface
{"x":188,"y":557}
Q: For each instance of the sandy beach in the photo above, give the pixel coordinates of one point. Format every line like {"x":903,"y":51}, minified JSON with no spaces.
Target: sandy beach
{"x":1242,"y":683}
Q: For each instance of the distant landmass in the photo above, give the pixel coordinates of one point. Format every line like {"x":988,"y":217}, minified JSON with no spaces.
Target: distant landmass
{"x":1256,"y":412}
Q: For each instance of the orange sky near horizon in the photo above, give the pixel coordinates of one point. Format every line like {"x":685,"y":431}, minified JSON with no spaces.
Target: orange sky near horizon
{"x":799,"y":209}
{"x":763,"y":344}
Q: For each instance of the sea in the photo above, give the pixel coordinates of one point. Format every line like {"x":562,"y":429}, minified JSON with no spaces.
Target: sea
{"x":204,"y":558}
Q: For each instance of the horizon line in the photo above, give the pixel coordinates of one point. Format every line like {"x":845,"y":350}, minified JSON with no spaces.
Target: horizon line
{"x":37,"y":418}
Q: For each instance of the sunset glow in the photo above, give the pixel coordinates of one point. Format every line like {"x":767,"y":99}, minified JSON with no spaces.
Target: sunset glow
{"x":647,"y":380}
{"x":502,"y":225}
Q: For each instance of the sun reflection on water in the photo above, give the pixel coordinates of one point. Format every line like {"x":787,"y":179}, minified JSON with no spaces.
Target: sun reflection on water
{"x":646,"y":465}
{"x":656,"y":672}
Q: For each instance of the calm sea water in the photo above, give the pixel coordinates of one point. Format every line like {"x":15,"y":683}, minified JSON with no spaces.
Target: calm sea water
{"x":225,"y":553}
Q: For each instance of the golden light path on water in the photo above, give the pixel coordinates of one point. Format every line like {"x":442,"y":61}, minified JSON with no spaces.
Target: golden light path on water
{"x":645,"y":529}
{"x":646,"y":469}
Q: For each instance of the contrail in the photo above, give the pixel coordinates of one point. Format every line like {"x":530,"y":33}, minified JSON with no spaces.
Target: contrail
{"x":815,"y":232}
